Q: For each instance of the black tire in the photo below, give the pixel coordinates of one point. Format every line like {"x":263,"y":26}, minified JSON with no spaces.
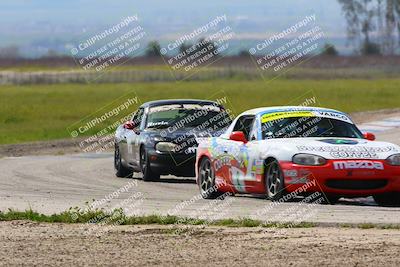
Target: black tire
{"x":388,"y":199}
{"x":330,"y":200}
{"x":274,"y":181}
{"x":148,"y":174}
{"x":207,"y":186}
{"x":120,"y":170}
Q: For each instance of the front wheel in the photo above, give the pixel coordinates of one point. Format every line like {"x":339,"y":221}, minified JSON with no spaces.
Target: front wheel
{"x":388,"y":199}
{"x":148,"y":174}
{"x":207,"y":186}
{"x":274,"y":181}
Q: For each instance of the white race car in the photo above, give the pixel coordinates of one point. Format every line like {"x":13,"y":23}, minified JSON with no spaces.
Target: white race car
{"x":280,"y":150}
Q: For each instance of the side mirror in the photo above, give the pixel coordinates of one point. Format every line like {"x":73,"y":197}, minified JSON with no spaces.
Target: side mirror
{"x":238,"y":136}
{"x":129,"y":125}
{"x":369,"y":136}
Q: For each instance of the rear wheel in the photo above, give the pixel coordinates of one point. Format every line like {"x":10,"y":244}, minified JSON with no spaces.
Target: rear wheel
{"x":120,"y":170}
{"x":148,"y":174}
{"x":388,"y":199}
{"x":207,"y":180}
{"x":274,"y":181}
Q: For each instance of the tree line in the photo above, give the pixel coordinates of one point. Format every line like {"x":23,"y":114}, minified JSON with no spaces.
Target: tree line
{"x":154,"y":49}
{"x":373,"y":26}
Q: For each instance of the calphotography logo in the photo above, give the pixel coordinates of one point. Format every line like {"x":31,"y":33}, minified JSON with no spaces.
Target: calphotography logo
{"x":202,"y":121}
{"x":291,"y":216}
{"x":111,"y":47}
{"x":199,"y":48}
{"x":289,"y":47}
{"x":95,"y":132}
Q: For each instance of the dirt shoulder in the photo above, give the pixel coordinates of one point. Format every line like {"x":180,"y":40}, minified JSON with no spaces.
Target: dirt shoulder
{"x":24,"y":242}
{"x":52,"y":147}
{"x":368,"y":116}
{"x":69,"y":146}
{"x":55,"y":147}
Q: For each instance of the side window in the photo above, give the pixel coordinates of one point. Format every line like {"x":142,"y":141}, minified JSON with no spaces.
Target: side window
{"x":137,"y":117}
{"x":244,"y":124}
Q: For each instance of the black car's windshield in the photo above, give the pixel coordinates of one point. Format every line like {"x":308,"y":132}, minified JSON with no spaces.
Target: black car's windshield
{"x":186,"y":115}
{"x":309,"y":127}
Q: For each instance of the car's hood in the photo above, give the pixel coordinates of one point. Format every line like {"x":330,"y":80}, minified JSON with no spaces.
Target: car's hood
{"x":329,"y":148}
{"x":182,"y":134}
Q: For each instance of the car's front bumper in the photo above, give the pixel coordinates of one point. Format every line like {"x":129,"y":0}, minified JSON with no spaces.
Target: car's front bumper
{"x":352,"y":182}
{"x":179,"y":164}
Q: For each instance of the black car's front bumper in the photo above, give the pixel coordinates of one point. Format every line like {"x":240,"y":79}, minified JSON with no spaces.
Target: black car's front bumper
{"x":178,"y":164}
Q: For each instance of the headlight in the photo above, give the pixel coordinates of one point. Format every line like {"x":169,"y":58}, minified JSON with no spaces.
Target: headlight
{"x":394,"y":159}
{"x":308,"y":159}
{"x":165,"y":146}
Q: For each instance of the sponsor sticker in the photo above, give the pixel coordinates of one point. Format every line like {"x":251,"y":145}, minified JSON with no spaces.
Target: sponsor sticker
{"x":304,"y":113}
{"x":339,"y":141}
{"x":191,"y":150}
{"x":350,"y":165}
{"x":333,"y":115}
{"x":349,"y":151}
{"x":290,"y":173}
{"x":282,"y":115}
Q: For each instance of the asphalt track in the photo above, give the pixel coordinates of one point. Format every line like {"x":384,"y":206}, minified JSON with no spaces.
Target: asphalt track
{"x":50,"y":184}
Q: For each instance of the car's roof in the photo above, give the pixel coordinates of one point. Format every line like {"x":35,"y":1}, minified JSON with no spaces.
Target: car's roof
{"x":177,"y":101}
{"x":263,"y":110}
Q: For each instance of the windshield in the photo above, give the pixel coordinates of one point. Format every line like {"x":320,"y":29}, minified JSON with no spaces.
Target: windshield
{"x":182,"y":116}
{"x":309,"y":127}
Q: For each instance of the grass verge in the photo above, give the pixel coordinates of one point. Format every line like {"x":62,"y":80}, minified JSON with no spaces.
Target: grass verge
{"x":117,"y":217}
{"x":44,"y":112}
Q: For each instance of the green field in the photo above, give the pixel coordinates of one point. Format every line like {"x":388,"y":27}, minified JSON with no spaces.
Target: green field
{"x":44,"y":112}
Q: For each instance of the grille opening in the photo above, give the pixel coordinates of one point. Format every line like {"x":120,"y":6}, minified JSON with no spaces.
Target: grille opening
{"x":356,"y":184}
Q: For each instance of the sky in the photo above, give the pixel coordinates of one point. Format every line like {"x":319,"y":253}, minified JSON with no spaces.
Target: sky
{"x":38,"y":25}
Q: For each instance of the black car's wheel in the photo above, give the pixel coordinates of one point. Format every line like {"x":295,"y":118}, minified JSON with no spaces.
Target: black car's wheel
{"x":388,"y":199}
{"x":329,"y":200}
{"x":120,"y":170}
{"x":148,"y":174}
{"x":207,"y":180}
{"x":274,"y":181}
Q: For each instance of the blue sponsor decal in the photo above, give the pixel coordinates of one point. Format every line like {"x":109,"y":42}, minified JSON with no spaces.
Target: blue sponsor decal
{"x":339,"y":141}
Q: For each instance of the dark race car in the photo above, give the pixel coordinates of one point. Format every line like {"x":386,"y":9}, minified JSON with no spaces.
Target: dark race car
{"x":161,"y":137}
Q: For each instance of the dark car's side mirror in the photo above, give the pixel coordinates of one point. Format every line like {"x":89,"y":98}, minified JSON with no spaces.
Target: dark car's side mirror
{"x":238,"y":136}
{"x":129,"y":125}
{"x":369,"y":136}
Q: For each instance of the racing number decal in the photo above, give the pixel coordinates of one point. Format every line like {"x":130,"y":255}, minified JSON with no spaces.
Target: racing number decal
{"x":238,"y":177}
{"x":246,"y":168}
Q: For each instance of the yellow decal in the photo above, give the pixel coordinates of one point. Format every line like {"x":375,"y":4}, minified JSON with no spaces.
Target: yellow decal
{"x":288,"y":114}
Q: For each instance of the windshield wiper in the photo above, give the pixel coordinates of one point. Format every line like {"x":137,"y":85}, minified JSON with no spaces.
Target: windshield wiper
{"x":159,"y":126}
